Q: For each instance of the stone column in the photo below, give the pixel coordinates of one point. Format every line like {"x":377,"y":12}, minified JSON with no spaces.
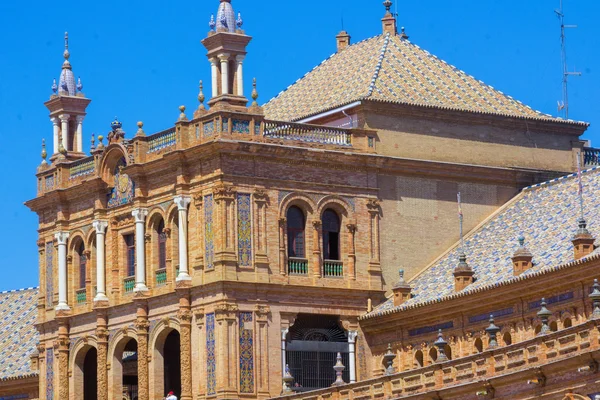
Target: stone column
{"x":317,"y":248}
{"x":64,"y":130}
{"x":100,"y":228}
{"x":240,"y":74}
{"x":224,"y":59}
{"x":351,"y":251}
{"x":185,"y":330}
{"x":352,"y":356}
{"x":214,"y":70}
{"x":182,"y":207}
{"x":79,"y":140}
{"x":140,"y":254}
{"x":284,"y":333}
{"x":201,"y":376}
{"x":102,"y":348}
{"x":61,"y":238}
{"x":225,"y":316}
{"x":63,"y":357}
{"x":55,"y":129}
{"x":282,"y":246}
{"x":142,"y":326}
{"x":262,"y":350}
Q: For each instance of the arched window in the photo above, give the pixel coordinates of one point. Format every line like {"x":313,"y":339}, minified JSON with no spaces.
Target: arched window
{"x":448,"y":351}
{"x":553,"y":326}
{"x":567,"y":323}
{"x":418,"y":359}
{"x":478,"y":345}
{"x":295,"y":231}
{"x":507,"y":338}
{"x":433,"y":355}
{"x":162,"y":245}
{"x":82,"y":265}
{"x":331,"y":235}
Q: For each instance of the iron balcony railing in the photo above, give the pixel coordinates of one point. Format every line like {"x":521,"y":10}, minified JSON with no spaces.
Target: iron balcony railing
{"x":307,"y":133}
{"x":297,"y":266}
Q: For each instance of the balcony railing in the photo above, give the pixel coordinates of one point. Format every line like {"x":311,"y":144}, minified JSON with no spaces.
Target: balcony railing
{"x":162,"y":140}
{"x":129,"y":284}
{"x":297,"y":266}
{"x":161,"y":277}
{"x":591,"y":156}
{"x":333,"y":269}
{"x":82,"y":167}
{"x":307,"y":133}
{"x":81,"y":296}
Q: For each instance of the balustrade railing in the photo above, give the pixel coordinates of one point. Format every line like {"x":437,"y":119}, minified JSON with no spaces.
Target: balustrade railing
{"x":81,"y":296}
{"x":82,"y":167}
{"x":297,"y":266}
{"x":161,"y":277}
{"x":307,"y":133}
{"x":129,"y":284}
{"x":333,"y":269}
{"x":162,"y":140}
{"x":591,"y":156}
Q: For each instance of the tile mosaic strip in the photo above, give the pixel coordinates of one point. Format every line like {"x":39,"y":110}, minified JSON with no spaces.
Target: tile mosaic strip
{"x":429,"y":329}
{"x":533,"y":305}
{"x":211,"y":360}
{"x":246,"y":353}
{"x":209,"y":245}
{"x":486,"y":316}
{"x":244,"y":208}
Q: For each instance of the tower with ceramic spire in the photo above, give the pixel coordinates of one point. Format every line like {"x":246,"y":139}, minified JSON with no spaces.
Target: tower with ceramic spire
{"x":67,"y":107}
{"x":226,"y":45}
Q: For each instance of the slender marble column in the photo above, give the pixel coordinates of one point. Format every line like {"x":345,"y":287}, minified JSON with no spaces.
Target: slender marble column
{"x":284,"y":333}
{"x":240,"y":75}
{"x":351,"y":346}
{"x":55,"y":130}
{"x":140,"y":254}
{"x":64,"y":131}
{"x":224,"y":59}
{"x":214,"y":74}
{"x":80,"y":133}
{"x":61,"y":238}
{"x":182,"y":208}
{"x":100,"y":227}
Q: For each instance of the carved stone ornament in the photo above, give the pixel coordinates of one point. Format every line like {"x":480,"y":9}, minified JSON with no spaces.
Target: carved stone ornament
{"x":198,"y":198}
{"x":261,"y":195}
{"x":121,"y":221}
{"x":373,"y":205}
{"x":262,"y":310}
{"x":223,"y":191}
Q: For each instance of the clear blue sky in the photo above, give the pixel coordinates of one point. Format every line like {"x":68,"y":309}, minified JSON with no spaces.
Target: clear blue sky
{"x":140,"y":60}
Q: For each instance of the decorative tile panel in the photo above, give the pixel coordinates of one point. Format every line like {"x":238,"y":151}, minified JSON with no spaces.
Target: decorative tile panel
{"x":244,"y":207}
{"x":49,"y":182}
{"x":49,"y":274}
{"x":551,"y":300}
{"x":240,"y":126}
{"x":486,"y":316}
{"x":50,"y":373}
{"x":124,"y":190}
{"x":211,"y":360}
{"x":246,"y":353}
{"x":209,"y":242}
{"x":225,"y":125}
{"x":430,"y":329}
{"x":209,"y":128}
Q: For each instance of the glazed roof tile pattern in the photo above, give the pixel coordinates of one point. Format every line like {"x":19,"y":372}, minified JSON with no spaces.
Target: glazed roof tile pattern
{"x":546,"y":215}
{"x":391,"y":69}
{"x":18,"y":336}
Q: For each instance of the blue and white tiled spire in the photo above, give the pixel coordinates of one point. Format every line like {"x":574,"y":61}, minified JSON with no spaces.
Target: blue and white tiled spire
{"x":66,"y":83}
{"x":226,"y":17}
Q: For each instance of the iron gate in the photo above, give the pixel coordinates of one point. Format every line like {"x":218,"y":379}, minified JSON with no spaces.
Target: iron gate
{"x":314,"y":369}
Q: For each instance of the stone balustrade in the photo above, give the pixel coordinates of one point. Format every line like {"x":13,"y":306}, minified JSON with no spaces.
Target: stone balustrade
{"x":591,"y":157}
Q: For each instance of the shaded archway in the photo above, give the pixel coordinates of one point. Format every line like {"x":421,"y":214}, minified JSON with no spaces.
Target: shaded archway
{"x":90,"y":375}
{"x":165,"y":368}
{"x":172,"y":363}
{"x":84,"y":382}
{"x":123,"y":375}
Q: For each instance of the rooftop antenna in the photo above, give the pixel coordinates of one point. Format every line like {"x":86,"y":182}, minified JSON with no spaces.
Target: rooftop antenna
{"x":564,"y":105}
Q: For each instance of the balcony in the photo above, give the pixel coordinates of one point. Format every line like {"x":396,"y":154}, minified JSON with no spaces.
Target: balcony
{"x":161,"y":277}
{"x":81,"y":296}
{"x":307,"y":133}
{"x":129,"y":284}
{"x":333,"y":269}
{"x":298,"y":266}
{"x":591,"y":157}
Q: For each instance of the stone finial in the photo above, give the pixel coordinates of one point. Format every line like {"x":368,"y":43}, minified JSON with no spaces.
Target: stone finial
{"x":440,"y":343}
{"x":583,"y":241}
{"x":254,"y":93}
{"x":54,"y":86}
{"x":342,"y":40}
{"x":100,"y":144}
{"x":595,"y":297}
{"x":463,"y":274}
{"x":388,"y":360}
{"x":212,"y":23}
{"x":93,"y":143}
{"x":182,"y":116}
{"x":287,"y":381}
{"x":140,"y":132}
{"x":239,"y":22}
{"x":492,"y":331}
{"x":201,"y":97}
{"x":44,"y":153}
{"x":61,"y":148}
{"x":79,"y":84}
{"x":403,"y":34}
{"x":544,"y":315}
{"x":339,"y":369}
{"x":522,"y":258}
{"x":401,"y":290}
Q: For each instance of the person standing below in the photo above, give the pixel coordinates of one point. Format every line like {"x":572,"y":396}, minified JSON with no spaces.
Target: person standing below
{"x":171,"y":396}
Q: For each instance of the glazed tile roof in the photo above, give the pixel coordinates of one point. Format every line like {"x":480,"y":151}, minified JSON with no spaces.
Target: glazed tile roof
{"x":546,"y":214}
{"x":391,"y":69}
{"x":18,"y":336}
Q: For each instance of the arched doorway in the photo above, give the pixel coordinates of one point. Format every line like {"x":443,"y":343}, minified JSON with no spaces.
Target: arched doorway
{"x":90,"y":375}
{"x":130,"y":375}
{"x":123,"y":374}
{"x":172,"y":363}
{"x":312,"y":346}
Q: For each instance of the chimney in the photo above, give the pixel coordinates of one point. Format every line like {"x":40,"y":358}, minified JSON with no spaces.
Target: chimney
{"x":343,"y":40}
{"x":583,"y":241}
{"x":521,"y":258}
{"x":463,"y":274}
{"x":389,"y":20}
{"x":401,"y":290}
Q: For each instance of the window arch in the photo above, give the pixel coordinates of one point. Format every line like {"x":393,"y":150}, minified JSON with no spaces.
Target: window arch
{"x":331,"y":235}
{"x":296,"y":224}
{"x":418,"y":359}
{"x":478,"y":345}
{"x":553,"y":326}
{"x":433,"y":355}
{"x":82,"y":264}
{"x":161,"y":244}
{"x":567,"y":323}
{"x":507,"y":338}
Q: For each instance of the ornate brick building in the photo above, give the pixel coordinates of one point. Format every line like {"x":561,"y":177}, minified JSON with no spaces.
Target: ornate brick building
{"x":205,"y":258}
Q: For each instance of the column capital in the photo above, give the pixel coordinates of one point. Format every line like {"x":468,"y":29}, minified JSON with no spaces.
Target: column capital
{"x":64,"y":117}
{"x":223,"y":57}
{"x":351,"y":228}
{"x":61,"y":237}
{"x":140,"y":214}
{"x":352,"y":336}
{"x":55,"y":120}
{"x":284,"y":332}
{"x":240,"y":57}
{"x":100,"y":226}
{"x":182,"y":202}
{"x":213,"y":61}
{"x":80,"y":118}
